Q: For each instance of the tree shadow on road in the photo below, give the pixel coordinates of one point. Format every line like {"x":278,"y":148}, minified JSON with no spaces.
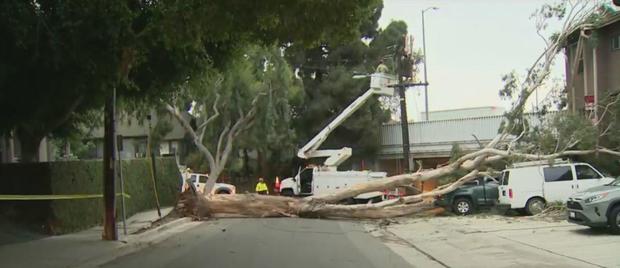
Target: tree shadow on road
{"x":587,"y":231}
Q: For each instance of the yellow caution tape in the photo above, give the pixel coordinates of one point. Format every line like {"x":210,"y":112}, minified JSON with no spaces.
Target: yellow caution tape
{"x":54,"y":196}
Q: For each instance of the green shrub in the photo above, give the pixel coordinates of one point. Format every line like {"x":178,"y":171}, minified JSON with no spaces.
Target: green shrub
{"x":85,"y":177}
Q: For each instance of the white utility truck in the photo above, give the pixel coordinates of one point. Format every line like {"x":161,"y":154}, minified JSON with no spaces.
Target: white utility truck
{"x":529,"y":186}
{"x":326,"y":178}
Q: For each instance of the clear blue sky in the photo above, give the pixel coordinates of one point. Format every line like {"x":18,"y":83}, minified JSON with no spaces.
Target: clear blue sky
{"x":470,"y":44}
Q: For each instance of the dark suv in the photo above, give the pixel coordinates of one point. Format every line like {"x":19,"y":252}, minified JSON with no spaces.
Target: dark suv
{"x":471,"y":195}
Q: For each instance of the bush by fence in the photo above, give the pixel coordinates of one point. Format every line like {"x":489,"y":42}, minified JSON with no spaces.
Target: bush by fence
{"x":81,"y":177}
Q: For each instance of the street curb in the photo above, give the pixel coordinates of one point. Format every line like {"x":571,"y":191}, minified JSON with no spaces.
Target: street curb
{"x":141,"y":241}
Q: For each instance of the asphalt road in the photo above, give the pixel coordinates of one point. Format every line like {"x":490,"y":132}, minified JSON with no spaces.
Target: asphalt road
{"x":277,"y":242}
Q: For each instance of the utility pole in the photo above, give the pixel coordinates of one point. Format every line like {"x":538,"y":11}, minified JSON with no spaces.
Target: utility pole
{"x":424,"y":62}
{"x":109,"y":169}
{"x":404,"y":69}
{"x":151,"y":156}
{"x":404,"y":123}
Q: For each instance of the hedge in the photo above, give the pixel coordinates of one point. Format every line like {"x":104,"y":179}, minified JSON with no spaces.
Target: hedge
{"x":82,"y":177}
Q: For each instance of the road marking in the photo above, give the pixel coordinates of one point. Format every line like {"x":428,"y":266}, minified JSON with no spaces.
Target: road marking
{"x":388,"y":236}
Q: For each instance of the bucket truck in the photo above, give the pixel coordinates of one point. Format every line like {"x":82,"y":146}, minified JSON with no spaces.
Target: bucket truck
{"x":326,"y":178}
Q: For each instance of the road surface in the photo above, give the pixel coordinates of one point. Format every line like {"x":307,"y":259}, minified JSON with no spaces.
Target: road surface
{"x":276,"y":242}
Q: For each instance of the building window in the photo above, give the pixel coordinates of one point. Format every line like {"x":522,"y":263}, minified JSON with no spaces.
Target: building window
{"x":615,"y":42}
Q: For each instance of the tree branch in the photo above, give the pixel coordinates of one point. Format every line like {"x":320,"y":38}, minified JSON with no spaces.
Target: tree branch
{"x":188,"y":128}
{"x":215,"y":115}
{"x":444,"y":190}
{"x":218,"y":152}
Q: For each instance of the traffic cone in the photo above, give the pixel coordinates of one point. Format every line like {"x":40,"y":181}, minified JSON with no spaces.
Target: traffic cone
{"x":276,"y":187}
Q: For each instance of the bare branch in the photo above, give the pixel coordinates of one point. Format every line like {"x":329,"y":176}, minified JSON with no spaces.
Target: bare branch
{"x":478,"y":141}
{"x":600,"y":119}
{"x":443,"y":190}
{"x":215,"y":115}
{"x":188,"y":128}
{"x":604,"y":133}
{"x":236,"y":129}
{"x":515,"y":140}
{"x":218,"y":152}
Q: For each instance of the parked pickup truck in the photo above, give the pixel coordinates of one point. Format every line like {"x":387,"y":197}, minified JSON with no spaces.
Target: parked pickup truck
{"x":470,"y":196}
{"x":199,"y":181}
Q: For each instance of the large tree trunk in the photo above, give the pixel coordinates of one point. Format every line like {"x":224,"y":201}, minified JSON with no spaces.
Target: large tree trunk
{"x":29,"y":144}
{"x":29,"y":150}
{"x":253,"y":205}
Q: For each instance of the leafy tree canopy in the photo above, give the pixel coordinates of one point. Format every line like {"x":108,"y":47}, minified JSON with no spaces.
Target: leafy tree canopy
{"x":59,"y":58}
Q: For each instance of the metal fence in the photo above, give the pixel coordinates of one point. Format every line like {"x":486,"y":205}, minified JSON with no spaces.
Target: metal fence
{"x":437,"y":137}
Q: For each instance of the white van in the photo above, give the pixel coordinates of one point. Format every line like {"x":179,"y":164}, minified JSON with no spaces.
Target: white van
{"x":528,"y":186}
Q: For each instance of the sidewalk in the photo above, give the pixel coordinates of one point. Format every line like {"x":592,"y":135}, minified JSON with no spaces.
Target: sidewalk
{"x":86,"y":249}
{"x":479,"y":241}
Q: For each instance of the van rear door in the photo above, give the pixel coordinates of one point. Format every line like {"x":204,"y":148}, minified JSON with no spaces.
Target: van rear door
{"x":502,"y":189}
{"x":559,"y":183}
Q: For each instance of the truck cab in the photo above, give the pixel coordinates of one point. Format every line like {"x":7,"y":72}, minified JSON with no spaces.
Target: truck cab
{"x":313,"y":181}
{"x":472,"y":195}
{"x":199,"y":180}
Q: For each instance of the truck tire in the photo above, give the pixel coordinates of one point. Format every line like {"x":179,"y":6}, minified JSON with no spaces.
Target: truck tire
{"x":613,"y":219}
{"x":287,"y":192}
{"x":535,"y":205}
{"x":462,"y":206}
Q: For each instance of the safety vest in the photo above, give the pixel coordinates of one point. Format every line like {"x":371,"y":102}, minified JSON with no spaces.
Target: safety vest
{"x":382,"y":68}
{"x":261,"y":186}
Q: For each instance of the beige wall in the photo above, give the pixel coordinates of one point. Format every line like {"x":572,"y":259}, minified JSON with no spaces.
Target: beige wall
{"x":129,"y":126}
{"x":608,"y":67}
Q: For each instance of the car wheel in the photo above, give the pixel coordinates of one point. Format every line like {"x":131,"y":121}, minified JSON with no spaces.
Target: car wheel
{"x":534,"y":206}
{"x":462,"y":206}
{"x":287,"y":192}
{"x":614,"y":220}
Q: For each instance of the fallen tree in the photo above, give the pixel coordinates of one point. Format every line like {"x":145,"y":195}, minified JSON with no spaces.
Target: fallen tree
{"x":577,"y":15}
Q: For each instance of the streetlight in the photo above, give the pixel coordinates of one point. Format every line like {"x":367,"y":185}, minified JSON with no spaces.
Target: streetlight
{"x":424,"y":51}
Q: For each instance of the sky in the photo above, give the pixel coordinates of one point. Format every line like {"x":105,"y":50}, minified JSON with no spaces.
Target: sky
{"x":470,"y":44}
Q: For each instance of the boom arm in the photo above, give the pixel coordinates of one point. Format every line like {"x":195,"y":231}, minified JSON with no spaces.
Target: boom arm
{"x":378,"y":85}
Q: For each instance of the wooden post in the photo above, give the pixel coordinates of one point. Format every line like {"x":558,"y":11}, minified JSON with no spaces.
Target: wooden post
{"x":119,"y":143}
{"x":109,"y":169}
{"x":404,"y":127}
{"x":151,"y":155}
